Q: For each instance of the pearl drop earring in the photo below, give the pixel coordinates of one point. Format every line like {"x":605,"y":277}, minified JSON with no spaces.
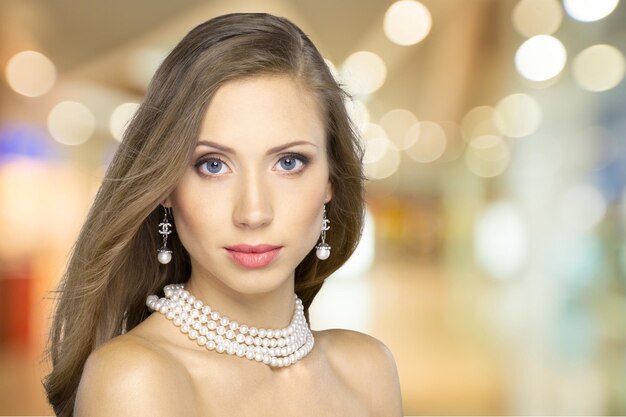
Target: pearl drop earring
{"x":165,"y":254}
{"x":323,"y":249}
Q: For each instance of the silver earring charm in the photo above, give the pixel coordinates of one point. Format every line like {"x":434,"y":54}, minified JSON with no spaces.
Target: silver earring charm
{"x":165,"y":254}
{"x":323,"y":249}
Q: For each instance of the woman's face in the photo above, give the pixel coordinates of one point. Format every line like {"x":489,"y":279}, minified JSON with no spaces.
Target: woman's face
{"x":259,"y":175}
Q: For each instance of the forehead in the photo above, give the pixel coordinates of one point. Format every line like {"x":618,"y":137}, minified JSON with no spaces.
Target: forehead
{"x":263,"y":110}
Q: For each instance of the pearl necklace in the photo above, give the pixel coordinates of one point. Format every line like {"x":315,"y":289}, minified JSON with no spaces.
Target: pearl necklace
{"x":273,"y":347}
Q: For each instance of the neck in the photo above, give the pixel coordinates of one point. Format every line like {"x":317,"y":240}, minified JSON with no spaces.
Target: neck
{"x":270,"y":310}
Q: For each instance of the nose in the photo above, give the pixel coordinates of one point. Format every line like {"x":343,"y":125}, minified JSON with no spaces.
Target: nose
{"x":253,"y":207}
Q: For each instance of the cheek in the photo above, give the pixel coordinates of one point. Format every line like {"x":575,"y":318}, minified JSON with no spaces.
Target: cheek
{"x":195,"y":214}
{"x":304,"y":219}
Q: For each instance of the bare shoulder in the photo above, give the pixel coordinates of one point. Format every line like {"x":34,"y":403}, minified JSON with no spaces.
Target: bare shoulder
{"x":128,"y":377}
{"x":368,"y":366}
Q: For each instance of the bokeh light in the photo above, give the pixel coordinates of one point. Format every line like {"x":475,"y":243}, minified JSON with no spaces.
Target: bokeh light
{"x":518,"y":115}
{"x":71,"y":123}
{"x":375,"y":142}
{"x":479,"y":121}
{"x":407,"y":22}
{"x":120,"y":118}
{"x":30,"y":73}
{"x":500,"y":240}
{"x":363,"y":72}
{"x":540,"y":58}
{"x":430,"y":142}
{"x":599,"y":67}
{"x":381,"y":159}
{"x":487,"y":156}
{"x":396,"y":123}
{"x":537,"y":17}
{"x":589,"y":10}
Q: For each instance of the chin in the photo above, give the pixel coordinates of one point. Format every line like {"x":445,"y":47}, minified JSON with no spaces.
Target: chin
{"x":256,"y":285}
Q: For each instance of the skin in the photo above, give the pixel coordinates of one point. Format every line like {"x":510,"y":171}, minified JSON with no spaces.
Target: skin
{"x":251,"y":197}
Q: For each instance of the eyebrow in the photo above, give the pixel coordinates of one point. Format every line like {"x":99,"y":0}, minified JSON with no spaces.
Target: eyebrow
{"x":270,"y":151}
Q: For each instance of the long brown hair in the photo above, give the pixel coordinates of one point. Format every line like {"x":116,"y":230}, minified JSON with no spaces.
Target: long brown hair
{"x":113,"y":267}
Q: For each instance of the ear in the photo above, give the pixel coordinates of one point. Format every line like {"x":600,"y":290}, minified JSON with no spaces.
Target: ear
{"x":167,"y":202}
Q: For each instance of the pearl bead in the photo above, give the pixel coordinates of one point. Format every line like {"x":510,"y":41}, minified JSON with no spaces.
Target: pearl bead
{"x":164,"y":257}
{"x":322,"y":253}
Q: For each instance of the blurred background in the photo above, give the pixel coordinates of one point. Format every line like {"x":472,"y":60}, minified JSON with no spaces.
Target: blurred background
{"x":493,"y":262}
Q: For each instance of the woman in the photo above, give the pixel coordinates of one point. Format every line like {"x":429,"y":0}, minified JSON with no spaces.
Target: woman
{"x":188,"y":290}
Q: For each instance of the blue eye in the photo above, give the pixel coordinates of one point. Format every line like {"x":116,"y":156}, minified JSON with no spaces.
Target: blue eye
{"x":289,"y":163}
{"x":214,"y":166}
{"x":211,"y":165}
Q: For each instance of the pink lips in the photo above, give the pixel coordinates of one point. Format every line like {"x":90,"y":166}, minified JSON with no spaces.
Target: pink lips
{"x":256,"y":256}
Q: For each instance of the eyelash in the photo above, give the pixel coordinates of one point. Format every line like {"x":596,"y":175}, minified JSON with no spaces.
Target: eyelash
{"x":302,"y":158}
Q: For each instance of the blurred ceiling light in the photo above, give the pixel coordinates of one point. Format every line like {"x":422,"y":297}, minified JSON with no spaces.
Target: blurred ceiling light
{"x":501,"y":240}
{"x":375,"y":142}
{"x":537,"y":17}
{"x":581,"y":207}
{"x":487,"y":156}
{"x":30,"y":73}
{"x":71,"y":123}
{"x":363,"y":72}
{"x":430,"y":144}
{"x":599,"y":67}
{"x":589,"y":10}
{"x":120,"y":118}
{"x":359,"y":115}
{"x":476,"y":122}
{"x":407,"y":22}
{"x":518,"y":115}
{"x":540,"y":58}
{"x":396,"y":123}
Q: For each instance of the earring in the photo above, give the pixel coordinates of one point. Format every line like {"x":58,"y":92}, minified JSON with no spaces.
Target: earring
{"x":323,"y":249}
{"x":165,"y":255}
